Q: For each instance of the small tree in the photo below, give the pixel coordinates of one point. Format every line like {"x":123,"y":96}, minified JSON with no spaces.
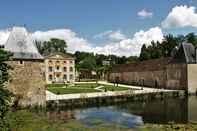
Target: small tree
{"x":5,"y":95}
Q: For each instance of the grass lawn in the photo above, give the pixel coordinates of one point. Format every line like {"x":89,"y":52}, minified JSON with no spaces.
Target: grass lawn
{"x":70,"y":90}
{"x":114,"y":88}
{"x":82,"y":88}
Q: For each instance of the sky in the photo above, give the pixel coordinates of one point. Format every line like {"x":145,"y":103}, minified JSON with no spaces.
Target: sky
{"x":118,"y":27}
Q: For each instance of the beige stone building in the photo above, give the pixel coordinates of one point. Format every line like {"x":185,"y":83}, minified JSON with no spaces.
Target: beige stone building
{"x":59,"y":68}
{"x":27,"y":76}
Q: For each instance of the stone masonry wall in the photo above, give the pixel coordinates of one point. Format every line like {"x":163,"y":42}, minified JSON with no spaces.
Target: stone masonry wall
{"x":27,"y":82}
{"x":170,"y":76}
{"x":176,"y":76}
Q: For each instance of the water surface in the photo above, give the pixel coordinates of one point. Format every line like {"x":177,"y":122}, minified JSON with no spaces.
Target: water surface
{"x":132,"y":114}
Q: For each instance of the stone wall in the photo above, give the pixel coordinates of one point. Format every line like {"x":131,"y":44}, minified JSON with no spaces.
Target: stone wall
{"x":176,"y":76}
{"x":27,"y":82}
{"x":154,"y":73}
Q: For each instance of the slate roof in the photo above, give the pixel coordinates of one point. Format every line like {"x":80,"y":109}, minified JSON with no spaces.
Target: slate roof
{"x":21,"y":44}
{"x":189,"y":52}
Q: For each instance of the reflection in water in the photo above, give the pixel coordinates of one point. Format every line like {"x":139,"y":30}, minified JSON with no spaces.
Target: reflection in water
{"x":108,"y":115}
{"x":133,"y":114}
{"x":159,"y":111}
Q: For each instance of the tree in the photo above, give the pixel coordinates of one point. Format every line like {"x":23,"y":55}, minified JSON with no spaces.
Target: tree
{"x":54,"y":45}
{"x":168,"y":44}
{"x":5,"y":95}
{"x":88,"y":63}
{"x":191,"y":38}
{"x":144,"y":55}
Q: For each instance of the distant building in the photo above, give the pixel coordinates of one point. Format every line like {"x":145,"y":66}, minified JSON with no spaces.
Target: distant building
{"x":86,"y":75}
{"x":27,"y":81}
{"x":59,"y":68}
{"x":176,"y":72}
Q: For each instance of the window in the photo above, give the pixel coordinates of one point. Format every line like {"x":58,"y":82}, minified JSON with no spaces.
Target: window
{"x":57,"y":61}
{"x":57,"y":67}
{"x":71,"y":62}
{"x":65,"y":77}
{"x":71,"y":76}
{"x":21,"y":62}
{"x":50,"y":61}
{"x":50,"y":77}
{"x":65,"y":62}
{"x":65,"y":69}
{"x":58,"y":75}
{"x":50,"y":69}
{"x":71,"y":69}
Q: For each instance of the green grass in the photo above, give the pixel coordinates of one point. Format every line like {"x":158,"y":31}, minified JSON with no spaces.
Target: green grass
{"x":70,"y":90}
{"x":25,"y":120}
{"x":82,"y":88}
{"x":114,"y":88}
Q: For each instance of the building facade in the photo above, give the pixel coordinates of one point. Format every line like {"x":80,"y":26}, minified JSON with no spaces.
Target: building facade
{"x":176,"y":72}
{"x":27,"y":81}
{"x":59,"y":68}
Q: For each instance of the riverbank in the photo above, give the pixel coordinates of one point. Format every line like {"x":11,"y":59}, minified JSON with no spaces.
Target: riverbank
{"x":105,"y":98}
{"x":26,"y":120}
{"x":122,"y":116}
{"x":170,"y":127}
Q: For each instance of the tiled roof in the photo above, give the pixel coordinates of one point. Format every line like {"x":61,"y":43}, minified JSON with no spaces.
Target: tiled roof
{"x":189,"y":51}
{"x":21,"y":44}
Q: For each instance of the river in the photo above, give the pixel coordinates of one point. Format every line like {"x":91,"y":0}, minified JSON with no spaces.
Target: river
{"x":131,"y":114}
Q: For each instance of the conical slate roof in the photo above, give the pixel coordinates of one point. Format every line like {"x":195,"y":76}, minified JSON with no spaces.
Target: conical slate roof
{"x":21,"y":44}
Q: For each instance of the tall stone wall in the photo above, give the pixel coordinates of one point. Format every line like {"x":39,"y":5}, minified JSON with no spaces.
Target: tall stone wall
{"x":146,"y":78}
{"x":27,"y":82}
{"x":176,"y":76}
{"x":170,"y":76}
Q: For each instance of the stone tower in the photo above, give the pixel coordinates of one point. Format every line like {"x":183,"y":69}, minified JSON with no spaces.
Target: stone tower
{"x":27,"y":76}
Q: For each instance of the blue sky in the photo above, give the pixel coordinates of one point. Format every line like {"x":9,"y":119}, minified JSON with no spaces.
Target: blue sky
{"x":88,"y":18}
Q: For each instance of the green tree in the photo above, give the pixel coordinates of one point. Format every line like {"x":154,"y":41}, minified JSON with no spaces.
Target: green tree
{"x":88,"y":63}
{"x":168,"y":45}
{"x":144,"y":55}
{"x":54,"y":45}
{"x":191,"y":38}
{"x":5,"y":95}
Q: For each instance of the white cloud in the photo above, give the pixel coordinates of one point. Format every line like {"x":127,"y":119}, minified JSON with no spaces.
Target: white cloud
{"x":112,"y":35}
{"x":181,"y":16}
{"x":145,"y":14}
{"x":132,"y":46}
{"x":4,"y":34}
{"x":125,"y":47}
{"x":73,"y":41}
{"x":117,"y":35}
